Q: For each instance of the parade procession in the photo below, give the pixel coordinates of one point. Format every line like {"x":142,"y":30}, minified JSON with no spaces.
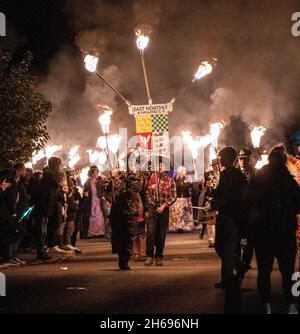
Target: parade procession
{"x":129,"y":159}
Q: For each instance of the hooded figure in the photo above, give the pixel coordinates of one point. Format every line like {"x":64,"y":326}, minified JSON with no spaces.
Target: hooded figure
{"x":274,"y":202}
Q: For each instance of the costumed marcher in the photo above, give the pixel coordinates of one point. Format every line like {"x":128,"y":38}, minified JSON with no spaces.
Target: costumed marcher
{"x":273,"y":197}
{"x":161,"y":192}
{"x":227,"y":198}
{"x":208,"y":215}
{"x":293,"y":161}
{"x":243,"y":157}
{"x":93,"y":213}
{"x":248,"y":170}
{"x":181,"y":214}
{"x":127,"y":216}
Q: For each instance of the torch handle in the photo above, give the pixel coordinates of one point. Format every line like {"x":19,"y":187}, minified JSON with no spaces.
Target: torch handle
{"x":117,"y":92}
{"x":258,"y":152}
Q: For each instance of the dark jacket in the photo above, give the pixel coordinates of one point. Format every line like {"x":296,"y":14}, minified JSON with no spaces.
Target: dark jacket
{"x":48,"y":194}
{"x":228,"y":196}
{"x":22,"y":199}
{"x":8,"y":204}
{"x":72,"y":208}
{"x":183,"y":188}
{"x":273,"y":198}
{"x":130,"y":203}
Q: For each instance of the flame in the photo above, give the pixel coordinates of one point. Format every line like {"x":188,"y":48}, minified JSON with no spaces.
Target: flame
{"x":262,"y":162}
{"x":113,"y":143}
{"x":212,"y":153}
{"x":91,"y":63}
{"x":215,"y":130}
{"x":101,"y":142}
{"x":293,"y":165}
{"x":204,"y":69}
{"x":51,"y":149}
{"x":38,"y":155}
{"x":102,"y":158}
{"x":142,"y":42}
{"x":96,"y":157}
{"x":28,"y":165}
{"x":195,"y":144}
{"x":73,"y":156}
{"x":93,"y":156}
{"x":256,"y":135}
{"x":84,"y":175}
{"x":104,"y":120}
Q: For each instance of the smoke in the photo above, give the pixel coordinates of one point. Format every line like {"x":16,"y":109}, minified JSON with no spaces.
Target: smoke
{"x":254,"y":83}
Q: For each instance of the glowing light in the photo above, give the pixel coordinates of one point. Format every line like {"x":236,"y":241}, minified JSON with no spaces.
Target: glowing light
{"x":102,"y":158}
{"x":256,"y":135}
{"x":113,"y":143}
{"x":262,"y":162}
{"x":84,"y":175}
{"x":204,"y":69}
{"x":142,"y":42}
{"x":101,"y":142}
{"x":212,"y":154}
{"x":215,"y":130}
{"x":38,"y":155}
{"x":28,"y":165}
{"x":195,"y":144}
{"x":104,"y":120}
{"x":51,"y":149}
{"x":93,"y":156}
{"x":91,"y":63}
{"x":74,"y":156}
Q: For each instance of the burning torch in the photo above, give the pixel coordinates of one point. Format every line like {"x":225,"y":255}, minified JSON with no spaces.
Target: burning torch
{"x":74,"y":156}
{"x":215,"y":130}
{"x":256,"y":134}
{"x":142,"y":40}
{"x":104,"y":120}
{"x":194,"y":145}
{"x":91,"y":66}
{"x":204,"y":69}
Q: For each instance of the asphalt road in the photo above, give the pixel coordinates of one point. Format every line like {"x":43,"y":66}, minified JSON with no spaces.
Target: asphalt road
{"x":92,"y":283}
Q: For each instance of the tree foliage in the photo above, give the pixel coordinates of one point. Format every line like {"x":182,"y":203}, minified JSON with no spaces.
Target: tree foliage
{"x":23,"y":111}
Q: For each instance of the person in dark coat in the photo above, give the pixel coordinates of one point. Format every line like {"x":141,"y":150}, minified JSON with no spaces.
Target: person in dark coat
{"x":227,"y":198}
{"x":20,"y":226}
{"x":249,"y":171}
{"x":72,"y":210}
{"x":274,"y":202}
{"x":4,"y":184}
{"x":46,"y":215}
{"x":128,"y":212}
{"x":7,"y":213}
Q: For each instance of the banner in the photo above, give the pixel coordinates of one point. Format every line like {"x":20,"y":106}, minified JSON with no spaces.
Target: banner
{"x":152,"y":127}
{"x":150,"y":109}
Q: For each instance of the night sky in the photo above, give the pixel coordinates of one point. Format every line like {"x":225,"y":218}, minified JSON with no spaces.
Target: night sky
{"x":255,"y":82}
